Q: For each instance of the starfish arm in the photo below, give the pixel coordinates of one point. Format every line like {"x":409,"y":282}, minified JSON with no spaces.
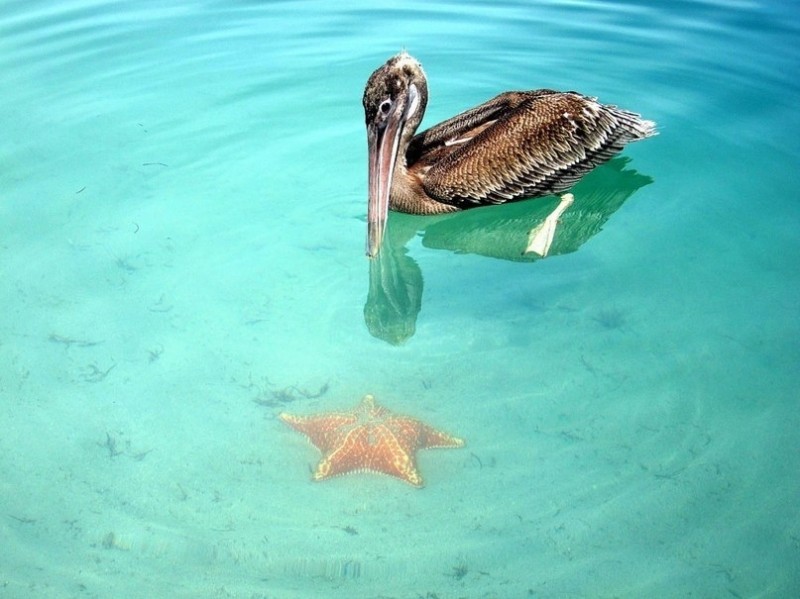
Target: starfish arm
{"x":394,"y":456}
{"x":322,"y":431}
{"x":345,"y":456}
{"x":369,"y":449}
{"x":431,"y":438}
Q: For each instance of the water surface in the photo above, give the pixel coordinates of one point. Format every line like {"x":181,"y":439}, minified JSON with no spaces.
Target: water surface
{"x":181,"y":255}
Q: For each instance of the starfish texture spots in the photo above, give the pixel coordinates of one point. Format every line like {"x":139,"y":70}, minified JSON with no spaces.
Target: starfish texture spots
{"x":369,"y":438}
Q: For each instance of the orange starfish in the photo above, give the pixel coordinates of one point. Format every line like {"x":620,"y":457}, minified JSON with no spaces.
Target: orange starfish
{"x":369,"y":438}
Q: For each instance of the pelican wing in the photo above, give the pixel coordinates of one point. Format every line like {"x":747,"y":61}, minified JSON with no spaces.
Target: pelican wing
{"x":440,"y":140}
{"x":521,"y":144}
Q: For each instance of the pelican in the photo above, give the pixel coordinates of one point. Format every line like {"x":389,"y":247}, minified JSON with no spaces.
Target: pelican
{"x":518,"y":145}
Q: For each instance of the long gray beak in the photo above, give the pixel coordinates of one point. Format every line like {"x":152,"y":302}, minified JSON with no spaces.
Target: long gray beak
{"x":382,"y":157}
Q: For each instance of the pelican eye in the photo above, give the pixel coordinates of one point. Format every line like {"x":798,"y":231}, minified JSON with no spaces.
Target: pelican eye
{"x":386,"y":106}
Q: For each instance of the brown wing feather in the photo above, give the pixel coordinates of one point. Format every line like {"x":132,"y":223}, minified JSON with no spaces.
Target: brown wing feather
{"x":531,"y":144}
{"x":448,"y":135}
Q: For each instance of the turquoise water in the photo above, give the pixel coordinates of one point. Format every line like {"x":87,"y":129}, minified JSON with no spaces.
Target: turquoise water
{"x":182,"y":227}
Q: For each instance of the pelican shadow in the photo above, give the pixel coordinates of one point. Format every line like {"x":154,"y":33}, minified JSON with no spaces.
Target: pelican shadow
{"x":521,"y":231}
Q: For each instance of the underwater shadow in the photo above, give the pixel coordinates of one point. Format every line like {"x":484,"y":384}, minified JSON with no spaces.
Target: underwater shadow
{"x":524,"y":231}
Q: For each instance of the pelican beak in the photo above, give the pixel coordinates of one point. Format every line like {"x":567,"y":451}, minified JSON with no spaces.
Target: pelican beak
{"x":383,"y":142}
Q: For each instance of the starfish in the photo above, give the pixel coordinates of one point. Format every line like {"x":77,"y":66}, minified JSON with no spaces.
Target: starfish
{"x":369,"y":438}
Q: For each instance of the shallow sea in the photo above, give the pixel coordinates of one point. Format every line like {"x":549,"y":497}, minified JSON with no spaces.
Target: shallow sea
{"x":182,"y":226}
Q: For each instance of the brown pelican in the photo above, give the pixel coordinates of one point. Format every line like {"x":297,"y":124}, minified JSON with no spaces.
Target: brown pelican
{"x":518,"y":145}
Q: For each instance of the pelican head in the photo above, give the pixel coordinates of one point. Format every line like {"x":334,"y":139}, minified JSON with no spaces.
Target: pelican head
{"x":394,"y":102}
